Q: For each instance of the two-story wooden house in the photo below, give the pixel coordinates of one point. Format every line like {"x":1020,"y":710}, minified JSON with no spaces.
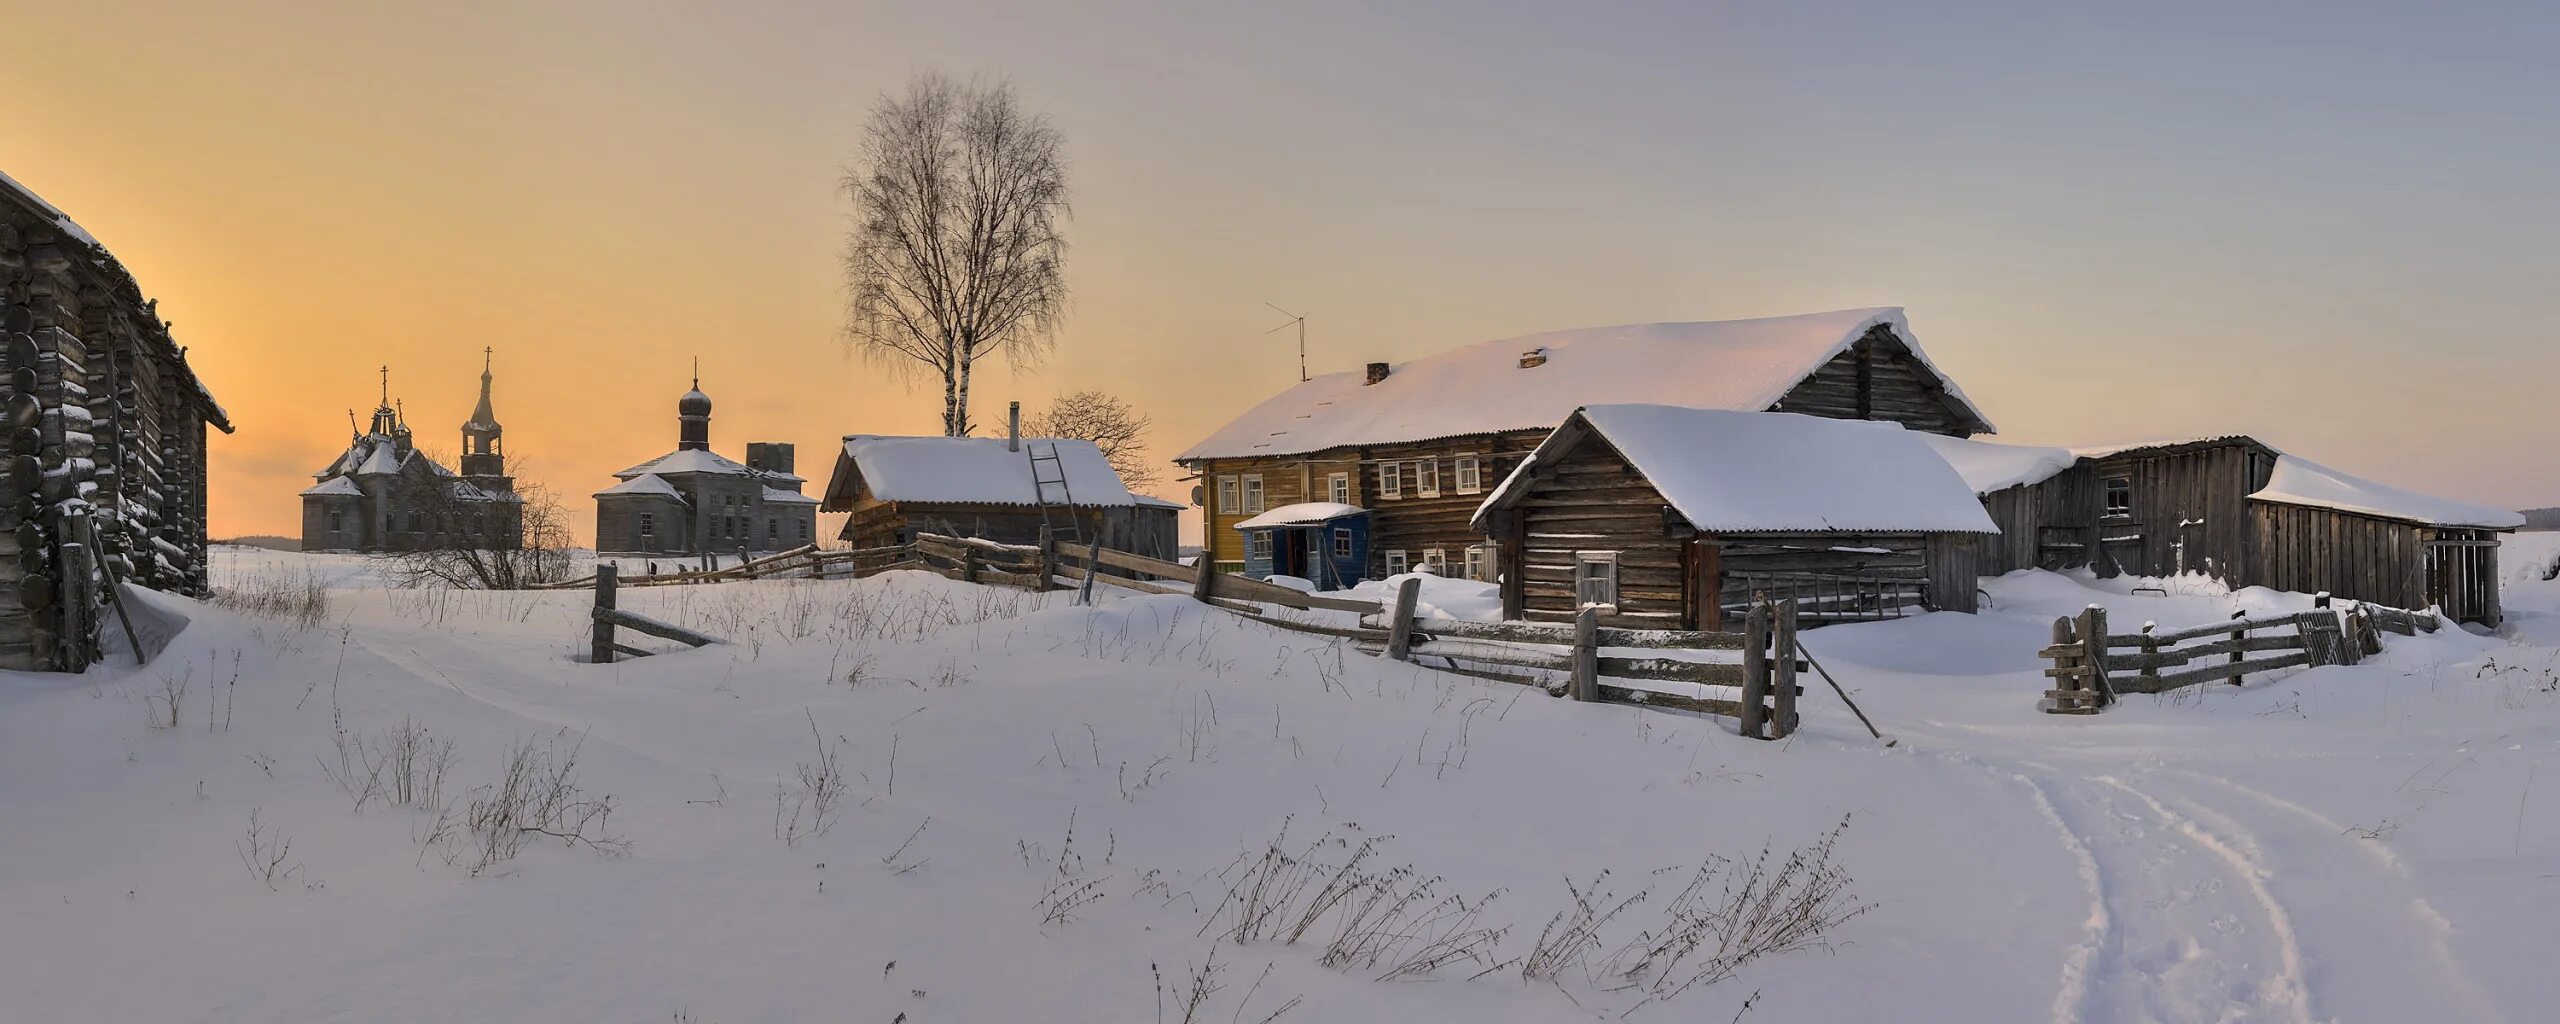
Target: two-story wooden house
{"x":1419,"y":444}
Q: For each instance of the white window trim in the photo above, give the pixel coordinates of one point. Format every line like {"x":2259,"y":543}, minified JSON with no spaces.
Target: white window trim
{"x":1390,"y":480}
{"x":1337,"y":488}
{"x":1258,"y":544}
{"x":1479,"y":562}
{"x":1470,"y":474}
{"x":1253,"y":494}
{"x":1396,"y":563}
{"x":1583,"y":563}
{"x":1435,"y":561}
{"x":1426,"y":478}
{"x":1230,"y":495}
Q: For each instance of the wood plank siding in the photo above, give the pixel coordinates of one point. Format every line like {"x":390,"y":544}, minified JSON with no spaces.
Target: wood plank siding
{"x":1878,"y":378}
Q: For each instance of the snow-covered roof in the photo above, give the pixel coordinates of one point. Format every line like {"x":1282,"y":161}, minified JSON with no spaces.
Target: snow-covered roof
{"x":61,"y":220}
{"x":645,"y":483}
{"x":335,"y":486}
{"x":779,"y":496}
{"x":1739,"y":472}
{"x":384,"y":458}
{"x":2100,"y":451}
{"x":1151,"y":501}
{"x":2300,"y":481}
{"x":1988,"y":466}
{"x":975,"y":471}
{"x":1744,"y":365}
{"x":702,"y":460}
{"x":1301,"y":514}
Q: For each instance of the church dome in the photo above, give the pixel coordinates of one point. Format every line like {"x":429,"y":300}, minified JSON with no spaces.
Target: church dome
{"x":694,"y":403}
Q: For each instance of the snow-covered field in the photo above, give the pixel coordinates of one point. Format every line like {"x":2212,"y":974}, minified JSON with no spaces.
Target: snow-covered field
{"x":1036,"y":812}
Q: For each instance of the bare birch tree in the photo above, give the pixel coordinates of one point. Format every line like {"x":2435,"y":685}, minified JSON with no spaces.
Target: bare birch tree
{"x":1111,"y":424}
{"x":955,"y":252}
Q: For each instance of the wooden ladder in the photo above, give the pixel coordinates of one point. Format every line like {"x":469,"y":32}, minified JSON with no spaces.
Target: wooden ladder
{"x":1046,"y":455}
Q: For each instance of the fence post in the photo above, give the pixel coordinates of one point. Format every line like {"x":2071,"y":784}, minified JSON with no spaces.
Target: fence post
{"x":2093,"y":652}
{"x":1204,"y":584}
{"x":601,"y":651}
{"x":2239,"y":642}
{"x":2150,"y":658}
{"x":1782,"y":671}
{"x":2071,"y":686}
{"x":1093,"y":567}
{"x":968,"y":564}
{"x":1400,"y":628}
{"x":1755,"y":670}
{"x":1586,"y":653}
{"x":1048,"y":545}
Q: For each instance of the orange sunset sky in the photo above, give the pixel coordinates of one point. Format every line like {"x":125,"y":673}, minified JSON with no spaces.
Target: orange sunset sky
{"x":601,"y":192}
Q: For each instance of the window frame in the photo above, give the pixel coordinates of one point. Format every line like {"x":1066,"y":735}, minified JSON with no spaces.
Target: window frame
{"x":1397,"y":564}
{"x":1390,"y":480}
{"x":1469,"y":473}
{"x":1435,"y":561}
{"x":1256,"y":500}
{"x":1587,"y":571}
{"x":1230,"y":494}
{"x":648,"y":526}
{"x":1342,"y":547}
{"x":1479,"y":563}
{"x":1337,"y":488}
{"x":1426,"y":478}
{"x":337,"y":522}
{"x":1257,"y":544}
{"x":2108,"y":488}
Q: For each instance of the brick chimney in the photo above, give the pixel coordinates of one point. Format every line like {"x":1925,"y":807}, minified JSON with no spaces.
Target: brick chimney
{"x":1377,"y":372}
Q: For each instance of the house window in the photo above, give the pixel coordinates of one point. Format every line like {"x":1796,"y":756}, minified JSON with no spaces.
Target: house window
{"x":1426,"y":478}
{"x":773,"y":529}
{"x":1470,"y":475}
{"x":1341,"y":543}
{"x":1479,"y":559}
{"x":648,"y":524}
{"x":337,"y":522}
{"x":1252,"y":493}
{"x":1337,"y":488}
{"x":1229,"y":499}
{"x":1391,"y":480}
{"x":1595,"y":579}
{"x":2119,"y":496}
{"x":804,"y":529}
{"x":1258,"y":545}
{"x":1395,"y":562}
{"x":1435,"y":561}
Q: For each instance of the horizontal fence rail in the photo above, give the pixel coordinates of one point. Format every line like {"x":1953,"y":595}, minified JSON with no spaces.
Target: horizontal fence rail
{"x":2089,"y":673}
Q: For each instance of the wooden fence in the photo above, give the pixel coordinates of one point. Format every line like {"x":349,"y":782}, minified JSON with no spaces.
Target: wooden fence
{"x":2089,"y":673}
{"x":1759,"y":687}
{"x":1828,"y":598}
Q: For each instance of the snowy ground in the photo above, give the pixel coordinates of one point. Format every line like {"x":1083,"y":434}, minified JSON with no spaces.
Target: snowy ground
{"x":1039,"y":801}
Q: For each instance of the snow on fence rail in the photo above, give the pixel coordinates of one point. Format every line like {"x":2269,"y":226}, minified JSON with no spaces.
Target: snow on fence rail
{"x":2088,"y":674}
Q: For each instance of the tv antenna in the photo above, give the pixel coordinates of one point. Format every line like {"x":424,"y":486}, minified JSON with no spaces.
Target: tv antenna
{"x":1300,"y":323}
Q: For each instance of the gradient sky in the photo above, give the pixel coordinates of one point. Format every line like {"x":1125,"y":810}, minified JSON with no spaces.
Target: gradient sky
{"x":2319,"y":225}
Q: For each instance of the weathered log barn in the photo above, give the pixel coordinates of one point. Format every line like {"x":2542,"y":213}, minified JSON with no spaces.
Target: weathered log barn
{"x":103,"y":426}
{"x":1667,"y":516}
{"x":1418,"y":443}
{"x":999,"y":489}
{"x":694,"y":500}
{"x":2238,"y":510}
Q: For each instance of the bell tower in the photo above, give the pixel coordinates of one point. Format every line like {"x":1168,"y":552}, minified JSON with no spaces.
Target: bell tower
{"x":693,"y":416}
{"x":484,"y":462}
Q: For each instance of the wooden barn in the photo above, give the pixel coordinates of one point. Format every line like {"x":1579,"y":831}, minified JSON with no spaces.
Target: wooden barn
{"x":102,"y":431}
{"x":2238,"y":510}
{"x":1418,"y":443}
{"x":997,"y":489}
{"x":1674,"y":517}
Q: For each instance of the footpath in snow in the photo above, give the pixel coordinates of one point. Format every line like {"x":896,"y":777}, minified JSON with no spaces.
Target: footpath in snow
{"x":909,"y":796}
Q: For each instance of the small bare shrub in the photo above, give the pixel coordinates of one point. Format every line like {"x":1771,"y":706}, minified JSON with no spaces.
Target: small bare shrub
{"x":1765,"y":908}
{"x":301,"y":602}
{"x":811,"y":809}
{"x":165,"y":704}
{"x":538,"y":795}
{"x":354,"y":766}
{"x":417,"y":762}
{"x":267,"y":852}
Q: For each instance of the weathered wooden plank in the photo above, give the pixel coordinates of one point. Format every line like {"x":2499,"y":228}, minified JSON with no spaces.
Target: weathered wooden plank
{"x":1673,"y":670}
{"x":654,"y":627}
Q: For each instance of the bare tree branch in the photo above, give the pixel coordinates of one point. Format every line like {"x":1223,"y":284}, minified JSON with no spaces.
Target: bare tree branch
{"x":1111,"y":424}
{"x":955,"y":252}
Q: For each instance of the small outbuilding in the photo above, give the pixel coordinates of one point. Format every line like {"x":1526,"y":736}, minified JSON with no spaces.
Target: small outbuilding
{"x":1326,"y":542}
{"x":1674,"y":517}
{"x":893,"y":488}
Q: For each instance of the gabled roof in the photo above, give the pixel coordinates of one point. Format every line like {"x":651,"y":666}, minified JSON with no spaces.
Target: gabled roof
{"x":702,"y":460}
{"x":1741,"y":365}
{"x":970,"y":471}
{"x":645,"y":483}
{"x":336,"y":486}
{"x":1743,"y":472}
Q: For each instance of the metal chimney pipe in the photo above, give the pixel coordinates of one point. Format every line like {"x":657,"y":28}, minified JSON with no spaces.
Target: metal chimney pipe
{"x":1013,"y":428}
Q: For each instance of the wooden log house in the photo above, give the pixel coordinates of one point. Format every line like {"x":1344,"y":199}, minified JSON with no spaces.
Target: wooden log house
{"x":2240,"y":511}
{"x":102,"y":434}
{"x":1672,"y":517}
{"x":893,"y":488}
{"x":1418,"y":444}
